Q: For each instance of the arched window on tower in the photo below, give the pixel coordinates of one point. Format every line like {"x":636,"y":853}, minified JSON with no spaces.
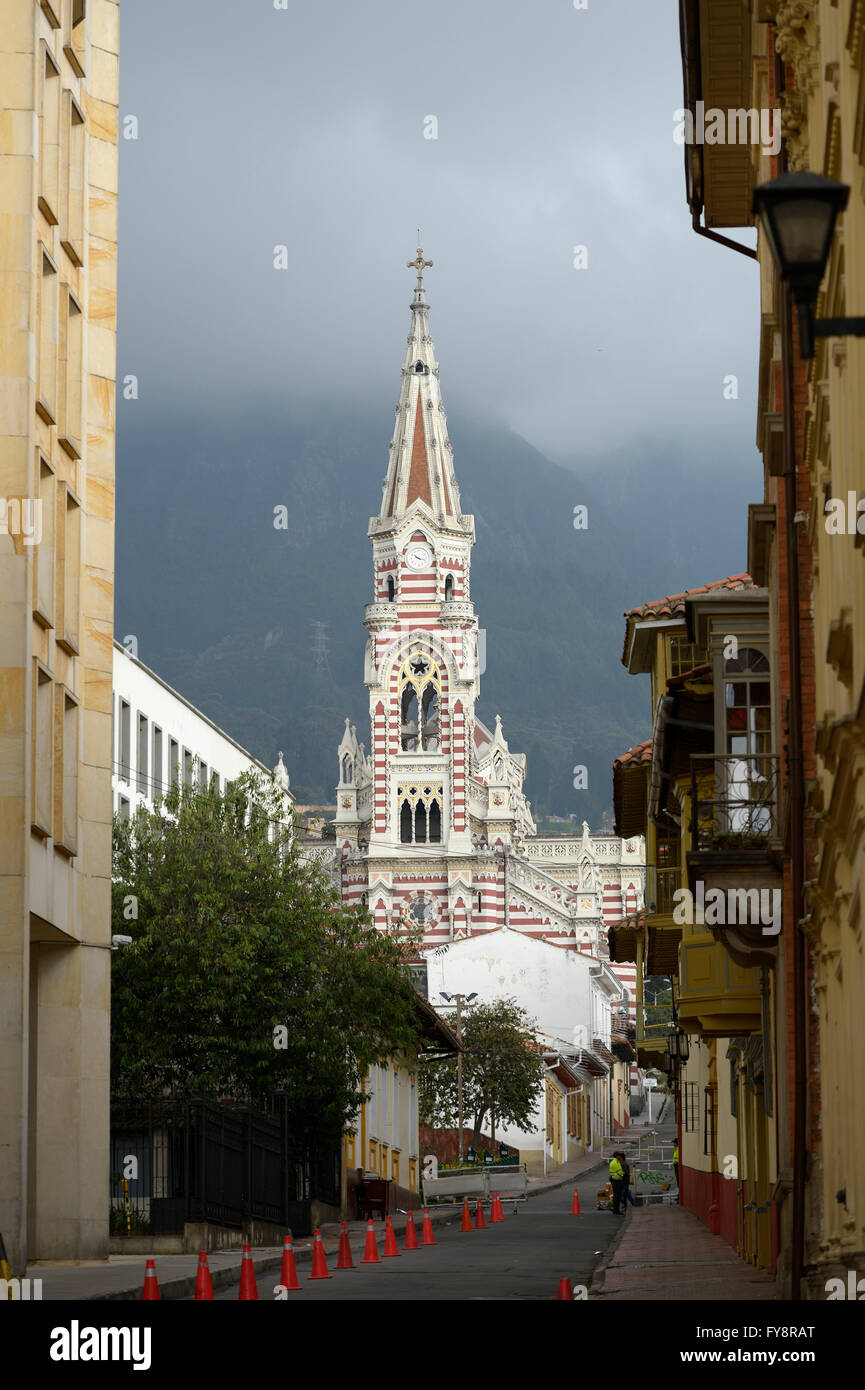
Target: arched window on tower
{"x":435,"y":823}
{"x":419,"y":368}
{"x":480,"y":902}
{"x":449,"y":588}
{"x":420,"y":823}
{"x":347,"y":769}
{"x":405,"y":824}
{"x":430,"y":715}
{"x":409,"y":720}
{"x":390,"y":589}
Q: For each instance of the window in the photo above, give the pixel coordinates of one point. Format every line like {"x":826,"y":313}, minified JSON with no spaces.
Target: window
{"x":123,"y":808}
{"x":449,"y":588}
{"x":214,"y":782}
{"x":684,"y":655}
{"x":420,"y":817}
{"x":419,"y":687}
{"x":71,"y":375}
{"x":157,"y":771}
{"x":689,"y":1106}
{"x":72,"y":197}
{"x":65,"y":770}
{"x":46,"y":368}
{"x":747,"y":725}
{"x":480,"y":902}
{"x":708,"y":1121}
{"x":390,"y":588}
{"x":202,"y":776}
{"x":125,"y":734}
{"x":141,"y":754}
{"x":74,"y":39}
{"x":49,"y":139}
{"x":188,"y":763}
{"x":42,"y":751}
{"x":68,"y":569}
{"x":43,"y":553}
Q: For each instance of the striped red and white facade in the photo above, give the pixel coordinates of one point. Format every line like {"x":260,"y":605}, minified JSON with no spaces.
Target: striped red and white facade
{"x":433,"y":827}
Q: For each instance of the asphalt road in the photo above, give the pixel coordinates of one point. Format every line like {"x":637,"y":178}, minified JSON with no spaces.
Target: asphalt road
{"x":523,"y":1257}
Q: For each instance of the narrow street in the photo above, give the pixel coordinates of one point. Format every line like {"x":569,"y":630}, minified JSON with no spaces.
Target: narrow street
{"x":523,"y":1257}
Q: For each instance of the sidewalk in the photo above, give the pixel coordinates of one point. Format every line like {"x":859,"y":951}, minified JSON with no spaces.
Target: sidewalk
{"x":666,"y":1253}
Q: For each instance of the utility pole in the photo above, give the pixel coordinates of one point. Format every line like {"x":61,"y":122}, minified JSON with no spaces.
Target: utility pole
{"x":459,"y":999}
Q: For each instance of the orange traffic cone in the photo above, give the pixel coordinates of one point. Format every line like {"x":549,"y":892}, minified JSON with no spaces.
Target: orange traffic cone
{"x":203,"y":1281}
{"x":288,"y":1277}
{"x":389,"y":1238}
{"x":427,"y":1237}
{"x":344,"y":1260}
{"x":248,"y":1290}
{"x":319,"y":1263}
{"x":410,"y":1233}
{"x":565,"y":1290}
{"x":480,"y":1223}
{"x":150,"y":1292}
{"x":496,"y":1213}
{"x":370,"y":1253}
{"x":575,"y":1204}
{"x":467,"y":1218}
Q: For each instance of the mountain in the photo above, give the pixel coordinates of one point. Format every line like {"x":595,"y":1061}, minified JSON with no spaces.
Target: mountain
{"x":261,"y":627}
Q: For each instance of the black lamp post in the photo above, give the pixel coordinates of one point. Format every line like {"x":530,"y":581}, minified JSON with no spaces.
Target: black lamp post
{"x":798,"y":213}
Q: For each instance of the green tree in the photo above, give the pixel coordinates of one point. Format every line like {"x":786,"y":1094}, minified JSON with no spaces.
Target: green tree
{"x":245,"y":974}
{"x":502,"y":1071}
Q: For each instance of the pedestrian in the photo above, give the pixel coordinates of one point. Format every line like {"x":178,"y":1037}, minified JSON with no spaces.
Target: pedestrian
{"x":617,"y":1174}
{"x":676,"y":1162}
{"x":627,"y":1194}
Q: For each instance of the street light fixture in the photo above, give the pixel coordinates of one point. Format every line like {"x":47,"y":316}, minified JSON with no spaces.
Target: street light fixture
{"x":798,"y":213}
{"x":677,"y":1044}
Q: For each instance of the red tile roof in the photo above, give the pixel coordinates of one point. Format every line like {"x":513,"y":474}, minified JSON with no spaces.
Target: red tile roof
{"x":642,"y":753}
{"x":674,"y":604}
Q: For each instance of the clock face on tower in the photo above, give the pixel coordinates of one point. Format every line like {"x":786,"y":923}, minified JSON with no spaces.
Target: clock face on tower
{"x":418,"y":557}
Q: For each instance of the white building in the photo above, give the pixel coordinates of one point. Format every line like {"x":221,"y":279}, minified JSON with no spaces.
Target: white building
{"x":571,"y":995}
{"x":159,"y":738}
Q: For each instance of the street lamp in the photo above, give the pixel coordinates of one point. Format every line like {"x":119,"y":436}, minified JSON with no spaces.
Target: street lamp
{"x":459,"y":1002}
{"x":677,"y":1044}
{"x":798,"y":213}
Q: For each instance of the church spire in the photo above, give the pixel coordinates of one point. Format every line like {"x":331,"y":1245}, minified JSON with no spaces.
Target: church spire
{"x":420,"y":466}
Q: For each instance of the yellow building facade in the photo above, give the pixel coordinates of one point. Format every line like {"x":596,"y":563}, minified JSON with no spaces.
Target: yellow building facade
{"x":808,"y":63}
{"x":58,"y":258}
{"x":703,"y":790}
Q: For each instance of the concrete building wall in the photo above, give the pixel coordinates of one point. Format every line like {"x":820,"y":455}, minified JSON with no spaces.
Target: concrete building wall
{"x":58,"y":245}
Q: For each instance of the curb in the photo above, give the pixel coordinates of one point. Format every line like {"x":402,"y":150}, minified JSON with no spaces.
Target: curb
{"x":184,"y":1285}
{"x":598,"y":1274}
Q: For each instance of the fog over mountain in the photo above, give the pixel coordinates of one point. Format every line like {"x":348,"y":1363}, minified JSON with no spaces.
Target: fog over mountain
{"x":262,"y":629}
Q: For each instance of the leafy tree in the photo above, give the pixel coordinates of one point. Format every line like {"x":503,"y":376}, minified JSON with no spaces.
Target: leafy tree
{"x":502,"y":1071}
{"x":245,"y":974}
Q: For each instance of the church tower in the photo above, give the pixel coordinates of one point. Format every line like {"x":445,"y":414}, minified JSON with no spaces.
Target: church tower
{"x":432,"y":827}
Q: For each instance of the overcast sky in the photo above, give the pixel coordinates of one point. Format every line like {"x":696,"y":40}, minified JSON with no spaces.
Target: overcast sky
{"x":305,"y":127}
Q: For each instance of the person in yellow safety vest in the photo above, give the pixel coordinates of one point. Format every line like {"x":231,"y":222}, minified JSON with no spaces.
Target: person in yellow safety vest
{"x":676,"y":1161}
{"x":617,"y":1180}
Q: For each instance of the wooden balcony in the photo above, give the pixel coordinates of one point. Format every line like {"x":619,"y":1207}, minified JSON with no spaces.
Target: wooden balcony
{"x":736,"y":852}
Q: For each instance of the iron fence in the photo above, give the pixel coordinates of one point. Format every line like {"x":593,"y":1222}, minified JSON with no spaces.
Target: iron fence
{"x":734,"y":800}
{"x":174,"y":1162}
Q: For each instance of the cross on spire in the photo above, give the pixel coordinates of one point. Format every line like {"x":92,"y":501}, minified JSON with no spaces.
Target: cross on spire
{"x":418,"y":264}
